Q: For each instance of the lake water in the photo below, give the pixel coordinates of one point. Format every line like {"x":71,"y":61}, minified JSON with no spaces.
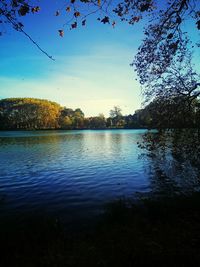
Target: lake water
{"x":71,"y":174}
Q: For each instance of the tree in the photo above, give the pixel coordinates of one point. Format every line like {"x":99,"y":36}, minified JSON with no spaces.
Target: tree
{"x":70,"y":118}
{"x":78,"y":119}
{"x":180,"y":80}
{"x":115,"y":112}
{"x":116,"y":117}
{"x":33,"y":113}
{"x":97,"y":122}
{"x":28,"y":113}
{"x":67,"y":112}
{"x":65,"y":122}
{"x":79,"y":112}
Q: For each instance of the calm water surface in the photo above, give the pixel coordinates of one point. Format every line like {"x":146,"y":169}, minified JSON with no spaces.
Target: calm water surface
{"x":71,"y":173}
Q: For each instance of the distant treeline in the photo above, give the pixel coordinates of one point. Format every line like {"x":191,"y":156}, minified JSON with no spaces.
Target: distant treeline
{"x":32,"y":113}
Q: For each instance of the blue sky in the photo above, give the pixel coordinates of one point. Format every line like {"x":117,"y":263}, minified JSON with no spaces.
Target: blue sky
{"x":91,"y":68}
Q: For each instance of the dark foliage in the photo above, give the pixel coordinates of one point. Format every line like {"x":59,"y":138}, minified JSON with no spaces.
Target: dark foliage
{"x":161,"y":232}
{"x":31,"y":113}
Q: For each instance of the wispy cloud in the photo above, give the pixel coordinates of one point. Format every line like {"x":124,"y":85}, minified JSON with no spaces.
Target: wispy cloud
{"x":94,"y":82}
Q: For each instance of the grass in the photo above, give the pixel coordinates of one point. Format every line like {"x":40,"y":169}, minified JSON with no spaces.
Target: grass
{"x":153,"y":232}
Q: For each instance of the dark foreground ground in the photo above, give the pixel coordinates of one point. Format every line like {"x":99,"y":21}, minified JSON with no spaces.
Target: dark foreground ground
{"x":164,"y":232}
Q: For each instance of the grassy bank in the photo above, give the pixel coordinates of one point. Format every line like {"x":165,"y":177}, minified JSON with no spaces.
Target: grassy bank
{"x":162,"y":232}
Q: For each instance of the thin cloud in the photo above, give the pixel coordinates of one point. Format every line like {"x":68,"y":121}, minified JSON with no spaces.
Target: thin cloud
{"x":94,"y":82}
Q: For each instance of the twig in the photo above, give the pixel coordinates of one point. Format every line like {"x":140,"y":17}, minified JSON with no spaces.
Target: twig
{"x":16,"y":26}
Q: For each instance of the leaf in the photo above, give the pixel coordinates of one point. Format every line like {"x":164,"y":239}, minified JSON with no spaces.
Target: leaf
{"x":136,"y":19}
{"x":20,"y":25}
{"x":84,"y":22}
{"x":14,"y":3}
{"x":144,"y":7}
{"x":198,"y":24}
{"x":170,"y":36}
{"x":68,"y":9}
{"x":57,"y":13}
{"x":61,"y":33}
{"x":77,"y":14}
{"x":173,"y":46}
{"x":99,"y":2}
{"x":113,"y":24}
{"x":23,"y":10}
{"x":35,"y":9}
{"x":74,"y":25}
{"x":72,"y":1}
{"x":105,"y":20}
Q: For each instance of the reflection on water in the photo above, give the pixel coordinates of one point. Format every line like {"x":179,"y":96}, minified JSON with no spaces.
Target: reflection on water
{"x":72,"y":173}
{"x":174,"y":161}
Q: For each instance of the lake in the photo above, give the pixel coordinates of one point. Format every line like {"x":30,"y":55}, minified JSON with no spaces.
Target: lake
{"x":72,"y":174}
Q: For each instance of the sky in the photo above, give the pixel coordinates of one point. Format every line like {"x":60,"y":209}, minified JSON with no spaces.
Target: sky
{"x":91,"y":70}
